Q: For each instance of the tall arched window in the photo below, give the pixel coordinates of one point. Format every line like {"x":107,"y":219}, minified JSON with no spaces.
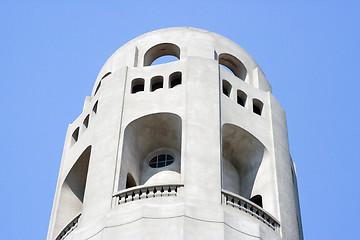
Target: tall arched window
{"x":157,"y":82}
{"x":242,"y":155}
{"x":137,"y":85}
{"x":174,"y":79}
{"x":99,"y":85}
{"x":130,"y":181}
{"x":234,"y":64}
{"x":257,"y":199}
{"x":257,"y":106}
{"x":161,"y":50}
{"x":151,"y":150}
{"x":75,"y":136}
{"x":241,"y":98}
{"x":226,"y":88}
{"x":72,"y":192}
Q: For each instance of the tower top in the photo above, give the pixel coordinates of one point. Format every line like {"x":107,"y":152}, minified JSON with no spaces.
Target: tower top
{"x":196,"y":148}
{"x":191,"y":42}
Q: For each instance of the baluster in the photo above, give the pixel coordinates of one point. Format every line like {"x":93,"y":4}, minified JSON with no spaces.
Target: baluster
{"x":151,"y":192}
{"x":266,"y":218}
{"x":242,"y":205}
{"x":129,"y":196}
{"x":272,"y":223}
{"x":248,"y":208}
{"x":165,"y":193}
{"x":261,"y":215}
{"x":143,"y":193}
{"x":230,"y":200}
{"x":122,"y":198}
{"x":136,"y":194}
{"x":158,"y":191}
{"x":236,"y":203}
{"x":254,"y":210}
{"x":277,"y":229}
{"x":173,"y":190}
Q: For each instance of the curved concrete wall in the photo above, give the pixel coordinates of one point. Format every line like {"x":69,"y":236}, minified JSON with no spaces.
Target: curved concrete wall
{"x":224,"y":130}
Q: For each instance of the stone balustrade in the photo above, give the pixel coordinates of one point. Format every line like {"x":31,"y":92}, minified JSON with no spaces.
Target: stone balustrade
{"x":251,"y":208}
{"x":69,"y":228}
{"x":143,"y":192}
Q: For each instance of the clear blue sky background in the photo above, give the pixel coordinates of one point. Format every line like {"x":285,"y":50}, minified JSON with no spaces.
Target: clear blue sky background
{"x":51,"y":53}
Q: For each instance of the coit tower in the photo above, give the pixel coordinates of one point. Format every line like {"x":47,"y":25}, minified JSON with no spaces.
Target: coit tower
{"x":194,"y":148}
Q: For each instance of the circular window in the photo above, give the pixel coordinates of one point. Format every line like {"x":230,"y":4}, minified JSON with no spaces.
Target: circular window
{"x":161,"y":160}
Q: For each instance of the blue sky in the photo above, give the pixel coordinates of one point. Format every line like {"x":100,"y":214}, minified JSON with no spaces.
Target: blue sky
{"x":51,"y":53}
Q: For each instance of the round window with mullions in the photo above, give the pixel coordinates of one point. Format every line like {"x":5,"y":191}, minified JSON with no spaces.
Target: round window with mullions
{"x":161,"y":160}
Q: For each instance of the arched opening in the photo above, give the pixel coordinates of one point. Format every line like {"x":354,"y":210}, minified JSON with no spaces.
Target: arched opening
{"x":107,"y":74}
{"x":97,"y":88}
{"x":99,"y":85}
{"x":86,"y":121}
{"x":157,"y":82}
{"x":152,"y":150}
{"x":234,"y":64}
{"x":257,"y":106}
{"x":175,"y":79}
{"x":75,"y":136}
{"x":130,"y":181}
{"x":72,"y":192}
{"x":226,"y":88}
{"x":257,"y":199}
{"x":164,"y":59}
{"x":242,"y":156}
{"x":137,"y":85}
{"x":95,"y":107}
{"x":161,"y":50}
{"x":241,"y":98}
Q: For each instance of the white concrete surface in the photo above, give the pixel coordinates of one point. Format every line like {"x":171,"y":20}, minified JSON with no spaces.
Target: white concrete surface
{"x":217,"y":145}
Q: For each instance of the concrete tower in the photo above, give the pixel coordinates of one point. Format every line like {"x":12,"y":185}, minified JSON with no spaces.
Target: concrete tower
{"x":196,"y":148}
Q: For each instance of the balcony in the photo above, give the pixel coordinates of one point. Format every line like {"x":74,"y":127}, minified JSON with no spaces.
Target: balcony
{"x":238,"y":202}
{"x":144,"y":192}
{"x":69,"y":228}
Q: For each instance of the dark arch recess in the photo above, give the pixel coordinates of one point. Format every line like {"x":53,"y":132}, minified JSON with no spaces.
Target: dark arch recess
{"x":257,"y":199}
{"x":234,"y":64}
{"x":130,"y":181}
{"x":160,"y":50}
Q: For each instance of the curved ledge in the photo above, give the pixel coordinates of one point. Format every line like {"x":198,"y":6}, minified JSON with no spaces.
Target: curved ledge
{"x":69,"y":228}
{"x":143,"y":192}
{"x":251,"y":208}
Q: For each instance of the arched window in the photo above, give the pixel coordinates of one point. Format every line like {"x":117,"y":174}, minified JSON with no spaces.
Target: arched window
{"x":157,"y":82}
{"x":75,"y":136}
{"x":257,"y":199}
{"x":241,"y":98}
{"x":95,"y":107}
{"x":72,"y":191}
{"x":137,"y":85}
{"x":86,"y":121}
{"x":242,"y":155}
{"x":226,"y":88}
{"x":175,"y":79}
{"x":99,"y":85}
{"x":257,"y":106}
{"x":97,"y":88}
{"x":107,"y":74}
{"x":130,"y":181}
{"x":161,"y":50}
{"x":234,"y":64}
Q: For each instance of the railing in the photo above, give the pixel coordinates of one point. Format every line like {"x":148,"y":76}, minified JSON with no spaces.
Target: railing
{"x":251,"y":208}
{"x":143,"y":192}
{"x":69,"y":228}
